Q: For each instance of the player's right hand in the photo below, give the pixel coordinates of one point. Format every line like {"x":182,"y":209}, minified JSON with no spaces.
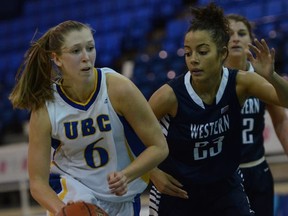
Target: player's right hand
{"x":166,"y":184}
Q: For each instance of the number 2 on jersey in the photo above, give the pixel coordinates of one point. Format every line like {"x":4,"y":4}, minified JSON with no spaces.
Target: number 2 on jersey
{"x":247,"y":136}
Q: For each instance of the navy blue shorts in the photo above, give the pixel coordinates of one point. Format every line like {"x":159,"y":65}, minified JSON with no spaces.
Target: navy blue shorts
{"x":259,"y":186}
{"x":222,"y":198}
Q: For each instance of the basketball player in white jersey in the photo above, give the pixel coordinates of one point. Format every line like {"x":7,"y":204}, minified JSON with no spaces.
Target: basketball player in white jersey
{"x":103,"y":134}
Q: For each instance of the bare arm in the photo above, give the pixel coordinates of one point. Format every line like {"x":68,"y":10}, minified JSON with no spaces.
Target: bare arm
{"x":280,"y":122}
{"x":129,"y":102}
{"x":39,"y":161}
{"x":264,"y":65}
{"x":252,"y":84}
{"x":164,"y":102}
{"x":281,"y":87}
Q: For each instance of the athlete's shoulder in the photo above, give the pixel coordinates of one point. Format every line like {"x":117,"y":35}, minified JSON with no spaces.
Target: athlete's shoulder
{"x":107,"y":70}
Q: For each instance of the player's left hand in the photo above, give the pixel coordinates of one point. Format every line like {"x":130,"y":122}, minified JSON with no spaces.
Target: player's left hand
{"x":263,"y":63}
{"x":117,"y":182}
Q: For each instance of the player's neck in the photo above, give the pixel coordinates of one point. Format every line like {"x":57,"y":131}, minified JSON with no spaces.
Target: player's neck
{"x":236,"y":63}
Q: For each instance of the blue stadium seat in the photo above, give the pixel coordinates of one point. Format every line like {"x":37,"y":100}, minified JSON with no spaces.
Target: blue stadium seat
{"x":170,"y":46}
{"x":30,"y":7}
{"x":275,"y":7}
{"x":176,"y":28}
{"x":124,"y":20}
{"x":254,"y":11}
{"x":106,"y":7}
{"x":108,"y":47}
{"x":174,"y":38}
{"x":115,"y":21}
{"x":283,"y":23}
{"x":203,"y":2}
{"x":266,"y":29}
{"x":281,"y":205}
{"x":123,"y":6}
{"x":108,"y":23}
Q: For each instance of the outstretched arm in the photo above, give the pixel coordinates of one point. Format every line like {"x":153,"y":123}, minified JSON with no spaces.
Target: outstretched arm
{"x":280,"y":123}
{"x":264,"y":65}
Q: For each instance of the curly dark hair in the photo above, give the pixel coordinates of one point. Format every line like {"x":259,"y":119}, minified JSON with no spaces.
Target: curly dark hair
{"x":211,"y":18}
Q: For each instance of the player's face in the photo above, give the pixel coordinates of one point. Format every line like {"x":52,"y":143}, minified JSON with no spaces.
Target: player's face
{"x":201,"y":56}
{"x":239,"y":39}
{"x":78,"y":56}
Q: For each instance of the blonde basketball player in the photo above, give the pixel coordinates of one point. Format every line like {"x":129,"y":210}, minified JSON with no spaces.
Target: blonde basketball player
{"x":103,"y":134}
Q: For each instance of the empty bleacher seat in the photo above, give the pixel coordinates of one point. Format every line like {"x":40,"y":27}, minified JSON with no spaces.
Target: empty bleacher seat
{"x":274,"y":8}
{"x":176,"y":28}
{"x":254,"y":11}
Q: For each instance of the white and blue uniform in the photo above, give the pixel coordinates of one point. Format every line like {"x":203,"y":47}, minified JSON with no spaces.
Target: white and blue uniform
{"x":90,"y":140}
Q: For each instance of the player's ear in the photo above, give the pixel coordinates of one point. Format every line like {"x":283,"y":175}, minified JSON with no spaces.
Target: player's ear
{"x":224,"y":53}
{"x":55,"y":59}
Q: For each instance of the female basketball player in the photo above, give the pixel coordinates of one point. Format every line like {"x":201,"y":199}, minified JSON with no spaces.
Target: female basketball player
{"x":200,"y":112}
{"x":95,"y":120}
{"x":258,"y":180}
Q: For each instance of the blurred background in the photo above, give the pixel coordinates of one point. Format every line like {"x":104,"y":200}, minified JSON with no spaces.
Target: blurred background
{"x":141,"y":39}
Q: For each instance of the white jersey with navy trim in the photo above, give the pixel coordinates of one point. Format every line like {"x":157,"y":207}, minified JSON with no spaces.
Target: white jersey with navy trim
{"x":90,"y":140}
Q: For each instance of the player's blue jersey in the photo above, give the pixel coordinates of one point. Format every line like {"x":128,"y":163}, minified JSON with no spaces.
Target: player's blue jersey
{"x":253,"y":124}
{"x":204,"y":140}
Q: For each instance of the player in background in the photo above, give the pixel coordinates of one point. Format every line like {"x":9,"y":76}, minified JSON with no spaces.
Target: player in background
{"x":258,"y":179}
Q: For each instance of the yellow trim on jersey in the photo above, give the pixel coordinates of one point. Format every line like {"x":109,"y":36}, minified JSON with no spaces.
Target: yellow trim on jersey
{"x":62,"y":194}
{"x":94,"y":90}
{"x":64,"y":191}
